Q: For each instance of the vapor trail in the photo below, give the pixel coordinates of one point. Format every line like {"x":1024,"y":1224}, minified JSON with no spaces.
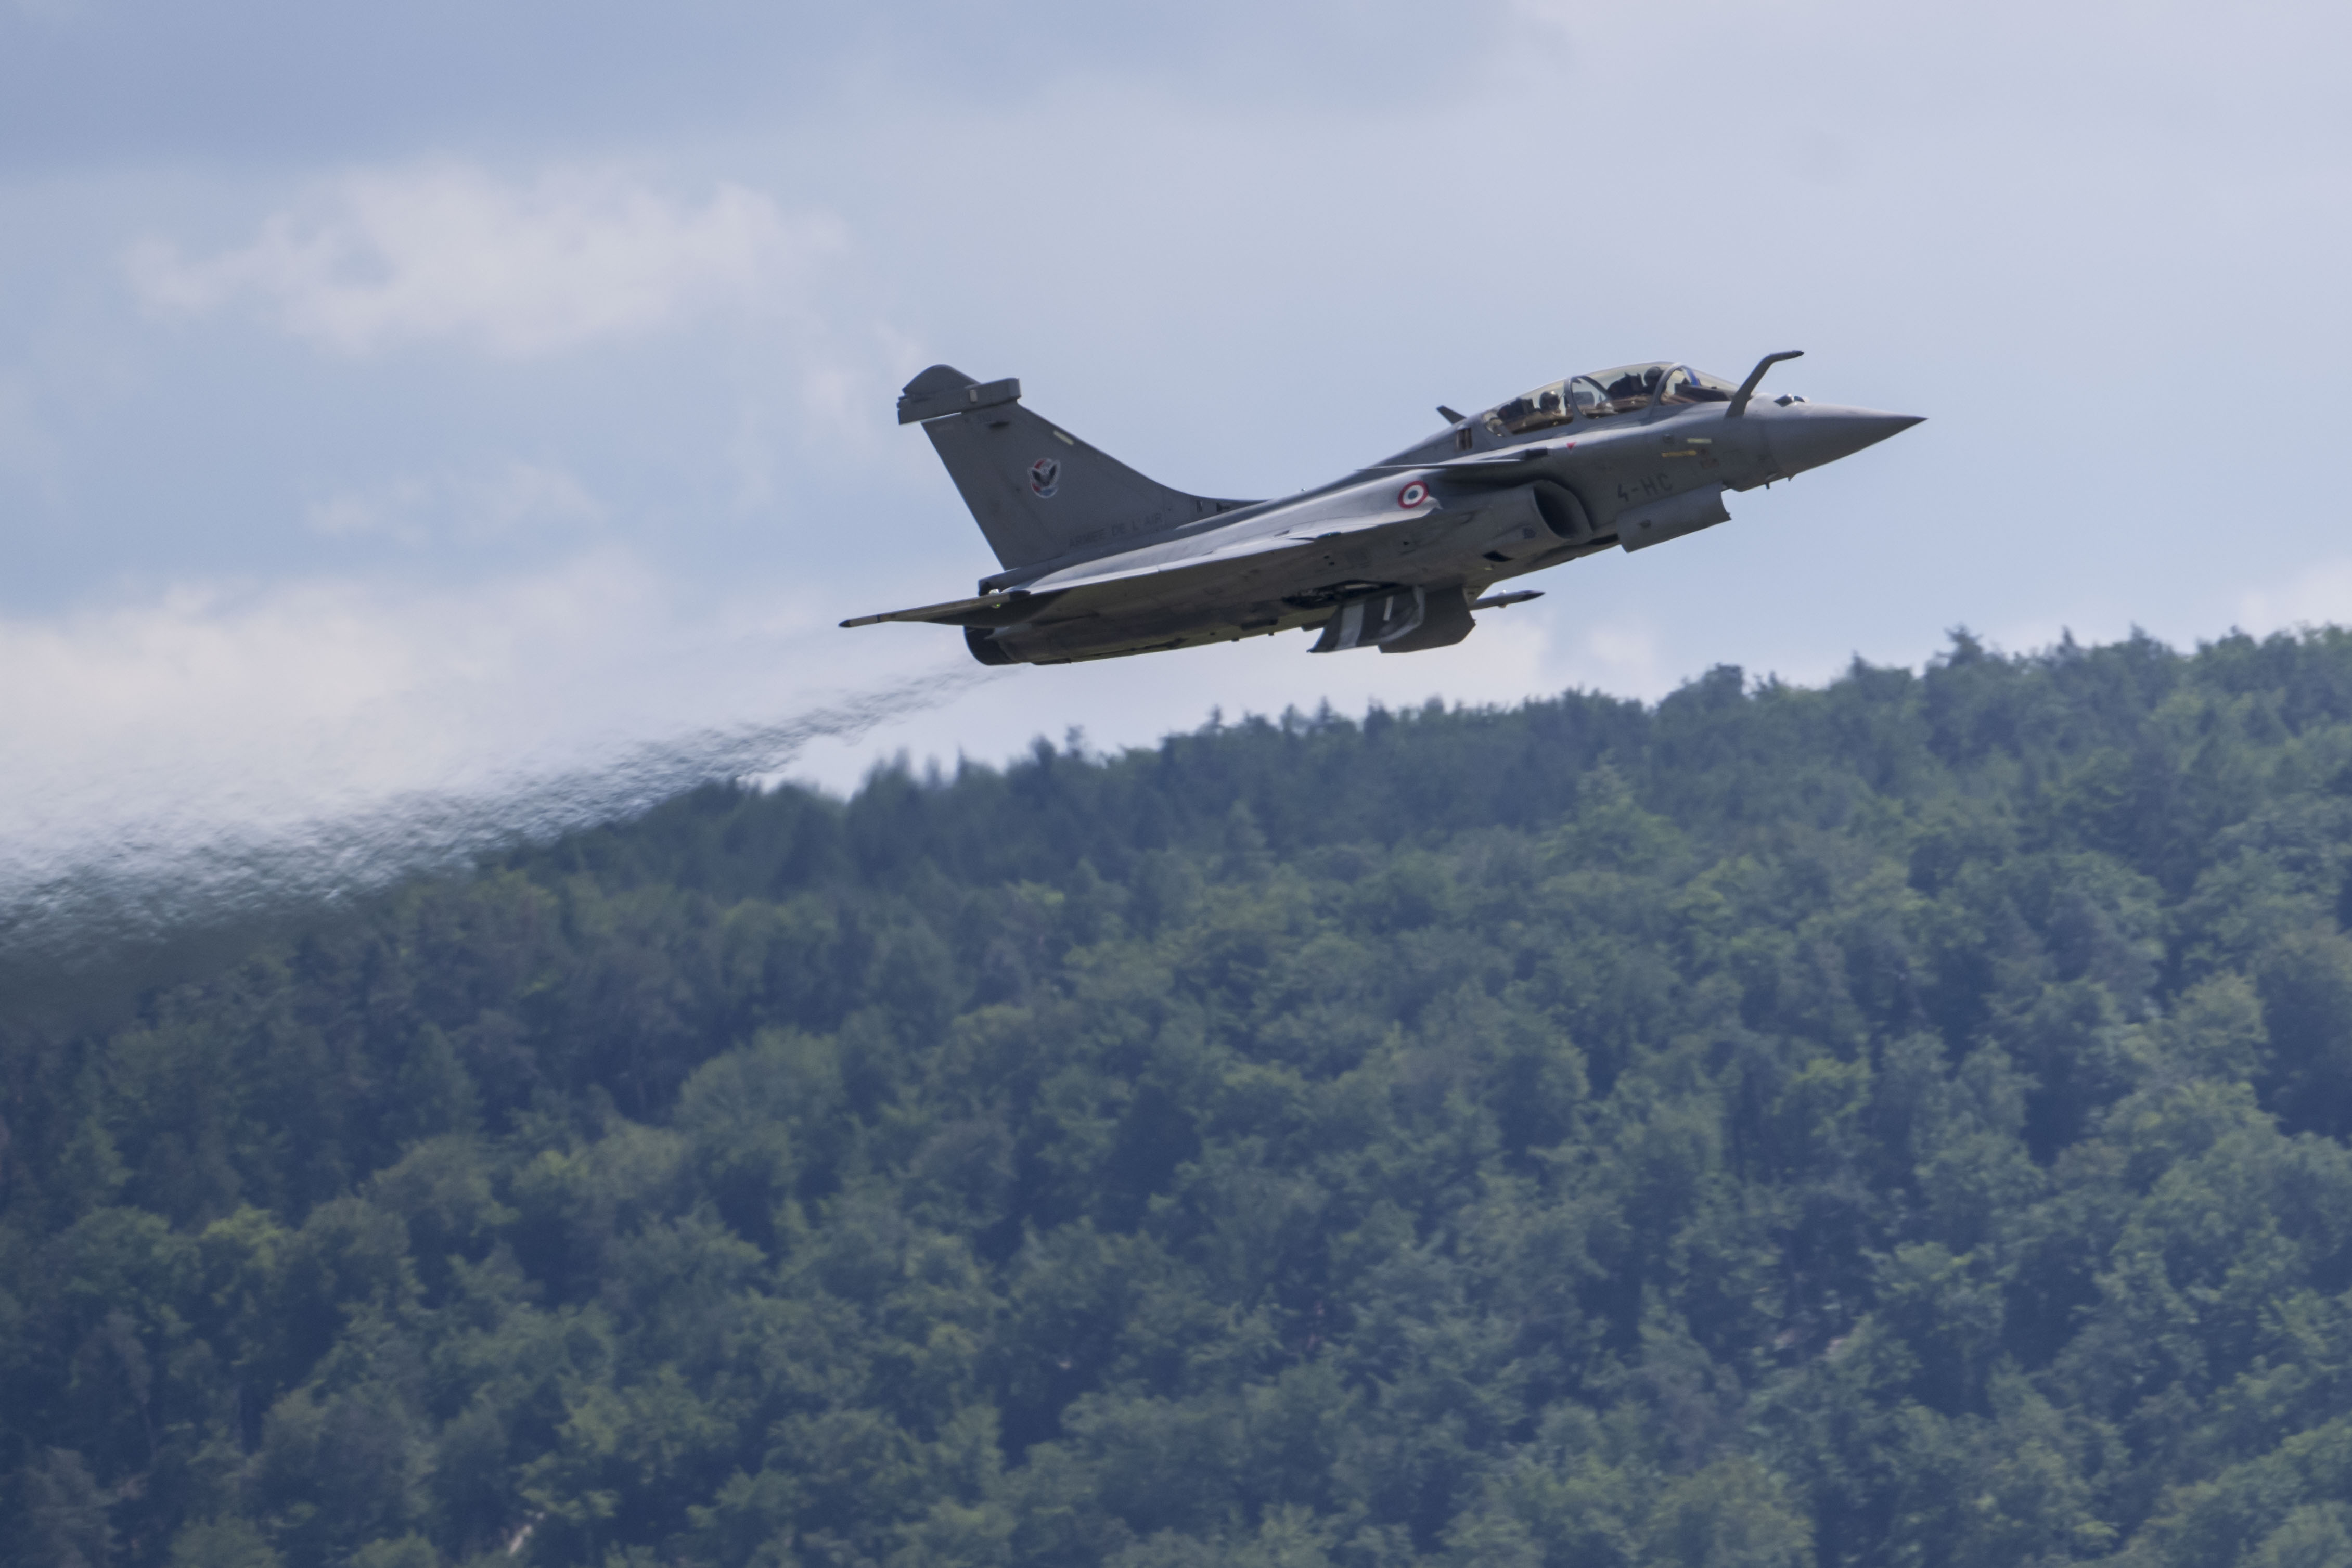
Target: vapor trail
{"x":73,"y":905}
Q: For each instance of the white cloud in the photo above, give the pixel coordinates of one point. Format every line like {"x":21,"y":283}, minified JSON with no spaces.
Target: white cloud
{"x":272,"y":699}
{"x":450,"y":252}
{"x":313,"y":736}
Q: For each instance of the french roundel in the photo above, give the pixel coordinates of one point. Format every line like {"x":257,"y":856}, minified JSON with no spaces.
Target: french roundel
{"x":1412,"y":495}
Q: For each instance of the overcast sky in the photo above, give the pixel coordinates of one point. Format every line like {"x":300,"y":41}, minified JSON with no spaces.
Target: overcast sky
{"x":413,"y":398}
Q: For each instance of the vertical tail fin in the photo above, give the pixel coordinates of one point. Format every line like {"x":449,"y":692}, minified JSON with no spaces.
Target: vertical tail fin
{"x":1037,"y":492}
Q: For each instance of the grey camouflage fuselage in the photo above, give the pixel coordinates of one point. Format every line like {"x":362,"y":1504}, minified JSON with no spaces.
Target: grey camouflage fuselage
{"x":1099,"y":560}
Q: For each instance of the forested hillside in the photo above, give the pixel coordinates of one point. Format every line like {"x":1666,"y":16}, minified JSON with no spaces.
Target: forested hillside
{"x":1896,"y":1123}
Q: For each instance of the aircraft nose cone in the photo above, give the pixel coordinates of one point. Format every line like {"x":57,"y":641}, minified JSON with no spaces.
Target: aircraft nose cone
{"x":1810,"y":434}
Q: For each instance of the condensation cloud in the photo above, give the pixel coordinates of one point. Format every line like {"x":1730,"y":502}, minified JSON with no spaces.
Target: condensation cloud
{"x":219,"y":754}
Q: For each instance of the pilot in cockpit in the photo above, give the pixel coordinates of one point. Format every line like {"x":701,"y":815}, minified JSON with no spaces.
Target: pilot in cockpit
{"x":1634,"y":383}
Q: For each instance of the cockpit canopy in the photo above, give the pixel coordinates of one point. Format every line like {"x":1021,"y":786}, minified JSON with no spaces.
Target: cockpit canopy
{"x":1605,"y":393}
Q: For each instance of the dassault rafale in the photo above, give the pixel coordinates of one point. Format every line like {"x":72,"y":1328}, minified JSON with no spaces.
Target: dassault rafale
{"x":1100,"y":562}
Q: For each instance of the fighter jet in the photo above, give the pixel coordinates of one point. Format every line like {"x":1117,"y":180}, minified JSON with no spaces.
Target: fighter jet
{"x":1099,"y":562}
